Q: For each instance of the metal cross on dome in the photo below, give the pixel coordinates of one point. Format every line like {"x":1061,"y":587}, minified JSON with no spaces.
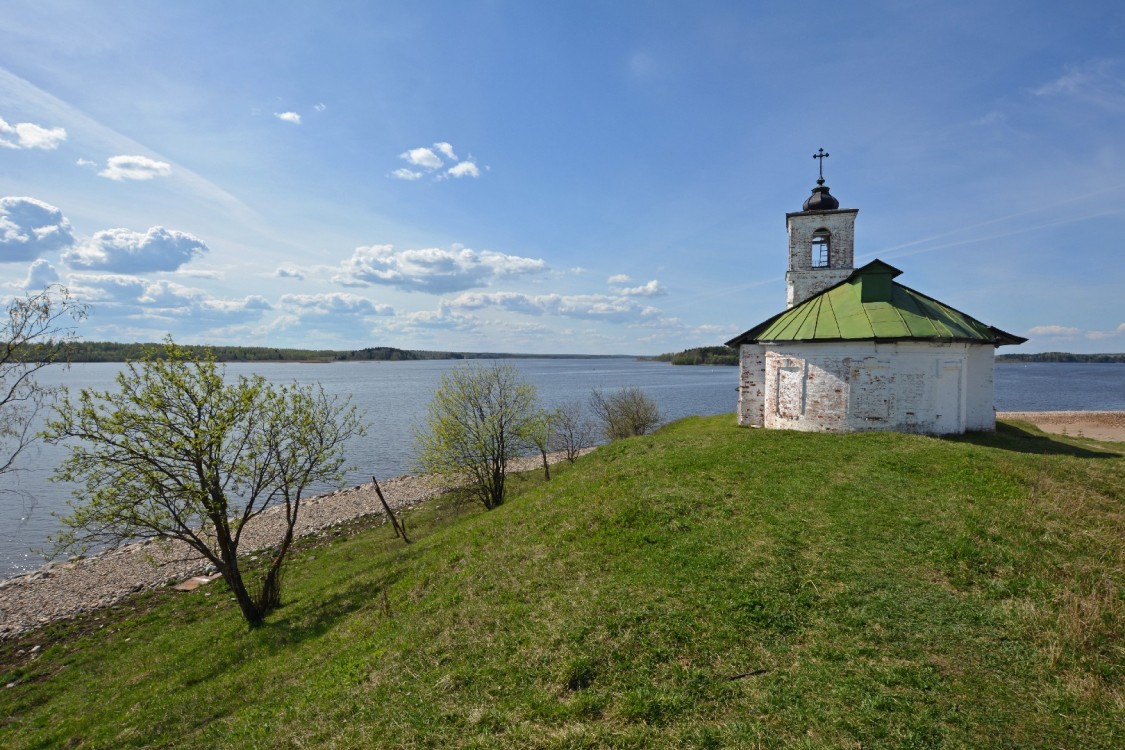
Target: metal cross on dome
{"x":821,"y":154}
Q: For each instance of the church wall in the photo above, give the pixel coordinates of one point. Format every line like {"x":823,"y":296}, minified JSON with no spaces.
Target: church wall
{"x":980,"y":399}
{"x":751,"y":385}
{"x":848,"y":387}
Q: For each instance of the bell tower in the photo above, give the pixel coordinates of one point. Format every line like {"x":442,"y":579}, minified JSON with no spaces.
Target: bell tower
{"x":821,"y":242}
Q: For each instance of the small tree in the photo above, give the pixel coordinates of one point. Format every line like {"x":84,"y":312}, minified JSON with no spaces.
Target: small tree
{"x":476,"y":423}
{"x":625,"y":413}
{"x":178,"y":453}
{"x":540,"y":432}
{"x":37,"y":331}
{"x":573,"y":431}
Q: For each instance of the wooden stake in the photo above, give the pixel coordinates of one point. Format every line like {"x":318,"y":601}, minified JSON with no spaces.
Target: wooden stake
{"x":400,"y":528}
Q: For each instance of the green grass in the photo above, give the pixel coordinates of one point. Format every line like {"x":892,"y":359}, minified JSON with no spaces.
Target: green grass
{"x":707,"y":587}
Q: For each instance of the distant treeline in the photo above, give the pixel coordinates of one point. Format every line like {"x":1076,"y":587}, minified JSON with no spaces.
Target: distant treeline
{"x":109,"y":351}
{"x":1061,"y":357}
{"x":703,"y":355}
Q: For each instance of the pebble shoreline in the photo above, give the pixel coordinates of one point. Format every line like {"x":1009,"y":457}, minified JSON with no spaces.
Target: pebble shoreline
{"x":64,"y":589}
{"x":60,"y":590}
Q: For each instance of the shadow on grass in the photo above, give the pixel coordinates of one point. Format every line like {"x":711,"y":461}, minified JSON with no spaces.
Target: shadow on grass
{"x":1025,"y":438}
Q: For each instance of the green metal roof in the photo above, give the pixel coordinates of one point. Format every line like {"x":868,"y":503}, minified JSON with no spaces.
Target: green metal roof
{"x":869,"y":306}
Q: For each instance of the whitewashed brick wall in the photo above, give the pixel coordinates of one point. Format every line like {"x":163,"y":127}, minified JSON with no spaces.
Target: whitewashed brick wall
{"x":848,"y":387}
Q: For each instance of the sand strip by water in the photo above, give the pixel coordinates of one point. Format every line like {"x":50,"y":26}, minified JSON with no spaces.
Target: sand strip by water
{"x":1098,"y":425}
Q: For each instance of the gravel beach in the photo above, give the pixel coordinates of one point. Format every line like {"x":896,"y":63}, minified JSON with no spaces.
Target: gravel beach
{"x":60,"y":590}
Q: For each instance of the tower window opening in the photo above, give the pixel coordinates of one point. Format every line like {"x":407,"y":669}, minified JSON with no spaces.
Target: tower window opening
{"x":821,"y":241}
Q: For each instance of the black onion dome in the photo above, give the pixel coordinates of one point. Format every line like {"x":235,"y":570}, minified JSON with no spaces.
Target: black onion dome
{"x":821,"y":199}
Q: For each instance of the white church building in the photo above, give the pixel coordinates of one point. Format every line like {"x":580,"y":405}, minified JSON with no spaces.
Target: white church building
{"x":855,"y":350}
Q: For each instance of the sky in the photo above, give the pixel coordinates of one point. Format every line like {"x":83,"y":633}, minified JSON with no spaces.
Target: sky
{"x":554,"y":177}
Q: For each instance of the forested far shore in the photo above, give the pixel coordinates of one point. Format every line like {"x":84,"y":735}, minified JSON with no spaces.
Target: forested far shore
{"x":702,"y":355}
{"x":1062,"y":357}
{"x":725,"y":355}
{"x":109,"y":351}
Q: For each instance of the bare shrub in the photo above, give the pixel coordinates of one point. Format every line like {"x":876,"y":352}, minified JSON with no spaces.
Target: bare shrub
{"x":626,"y":413}
{"x":574,"y":432}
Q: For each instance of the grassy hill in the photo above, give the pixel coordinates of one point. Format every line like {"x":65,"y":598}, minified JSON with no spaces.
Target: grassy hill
{"x":706,"y":587}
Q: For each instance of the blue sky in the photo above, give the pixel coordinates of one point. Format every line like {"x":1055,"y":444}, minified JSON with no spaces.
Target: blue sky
{"x":572,"y":177}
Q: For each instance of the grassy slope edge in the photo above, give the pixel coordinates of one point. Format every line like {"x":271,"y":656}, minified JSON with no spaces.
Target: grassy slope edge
{"x":708,"y":586}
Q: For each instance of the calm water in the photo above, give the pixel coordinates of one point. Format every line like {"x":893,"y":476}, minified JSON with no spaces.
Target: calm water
{"x":394,"y":396}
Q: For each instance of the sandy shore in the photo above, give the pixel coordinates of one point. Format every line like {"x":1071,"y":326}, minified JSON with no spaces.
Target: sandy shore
{"x":64,"y":589}
{"x":1098,"y":425}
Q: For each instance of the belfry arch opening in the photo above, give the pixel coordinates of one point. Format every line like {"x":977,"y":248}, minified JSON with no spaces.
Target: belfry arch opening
{"x":821,"y":248}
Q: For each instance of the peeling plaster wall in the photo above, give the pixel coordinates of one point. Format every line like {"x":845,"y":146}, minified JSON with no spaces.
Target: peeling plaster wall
{"x":848,"y":387}
{"x":751,"y":385}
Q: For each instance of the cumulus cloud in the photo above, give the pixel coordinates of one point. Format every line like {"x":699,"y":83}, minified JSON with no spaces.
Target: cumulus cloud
{"x":30,"y":228}
{"x":1054,"y":331}
{"x":135,"y":168}
{"x":320,"y":106}
{"x":433,"y":270}
{"x":407,"y":174}
{"x":200,"y":273}
{"x":125,"y":251}
{"x":334,"y":303}
{"x":27,"y":135}
{"x":426,"y":160}
{"x":463,"y":169}
{"x":651,"y":289}
{"x":335,"y":316}
{"x":422,"y":157}
{"x":284,"y":272}
{"x":292,"y":117}
{"x":86,"y":163}
{"x":619,"y":278}
{"x":447,"y":150}
{"x":582,"y":306}
{"x":40,"y":275}
{"x":122,"y":297}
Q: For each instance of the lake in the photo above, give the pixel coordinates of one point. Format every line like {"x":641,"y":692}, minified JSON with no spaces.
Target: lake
{"x":394,"y":397}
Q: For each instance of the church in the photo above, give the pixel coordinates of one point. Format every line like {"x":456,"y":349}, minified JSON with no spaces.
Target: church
{"x":855,"y":349}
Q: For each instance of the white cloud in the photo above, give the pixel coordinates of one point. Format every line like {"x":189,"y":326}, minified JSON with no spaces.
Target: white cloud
{"x":30,"y":228}
{"x":337,"y":317}
{"x":433,"y":270}
{"x":620,"y":278}
{"x":40,"y":275}
{"x":135,"y":168}
{"x":1054,"y":331}
{"x":120,"y":297}
{"x":651,"y":289}
{"x":125,"y":251}
{"x":200,"y":273}
{"x":292,"y":117}
{"x":464,"y":169}
{"x":407,"y":174}
{"x":422,"y":157}
{"x":426,"y":160}
{"x":447,"y":150}
{"x":1098,"y":335}
{"x":86,"y":163}
{"x":320,"y":106}
{"x":26,"y":135}
{"x":335,"y":303}
{"x":284,"y":272}
{"x":583,"y":306}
